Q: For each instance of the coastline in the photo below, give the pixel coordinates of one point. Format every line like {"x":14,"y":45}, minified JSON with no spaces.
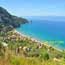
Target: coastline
{"x":37,"y":41}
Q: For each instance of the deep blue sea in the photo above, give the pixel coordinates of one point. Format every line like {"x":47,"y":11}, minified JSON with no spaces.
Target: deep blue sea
{"x":46,"y":30}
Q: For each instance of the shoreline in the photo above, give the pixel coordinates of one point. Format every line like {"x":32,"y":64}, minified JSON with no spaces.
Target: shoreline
{"x":38,"y":41}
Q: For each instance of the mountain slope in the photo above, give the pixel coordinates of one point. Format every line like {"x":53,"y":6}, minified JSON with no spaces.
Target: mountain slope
{"x":8,"y":21}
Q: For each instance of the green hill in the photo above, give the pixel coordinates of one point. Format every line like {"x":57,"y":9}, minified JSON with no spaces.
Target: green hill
{"x":8,"y":21}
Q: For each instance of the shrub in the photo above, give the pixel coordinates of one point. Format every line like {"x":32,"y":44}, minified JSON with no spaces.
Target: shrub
{"x":14,"y":61}
{"x":44,"y":56}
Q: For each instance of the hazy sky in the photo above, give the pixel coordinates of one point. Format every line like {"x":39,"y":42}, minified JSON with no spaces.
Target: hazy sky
{"x":35,"y":7}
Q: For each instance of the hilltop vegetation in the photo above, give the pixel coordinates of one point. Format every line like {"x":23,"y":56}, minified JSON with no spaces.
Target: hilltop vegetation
{"x":18,"y":50}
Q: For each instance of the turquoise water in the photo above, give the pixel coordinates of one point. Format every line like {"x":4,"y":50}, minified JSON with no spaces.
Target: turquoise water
{"x":45,"y":30}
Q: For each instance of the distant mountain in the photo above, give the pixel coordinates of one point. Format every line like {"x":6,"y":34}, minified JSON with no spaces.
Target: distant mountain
{"x":8,"y":21}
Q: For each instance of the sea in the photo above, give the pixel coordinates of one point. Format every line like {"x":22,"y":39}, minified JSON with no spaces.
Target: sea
{"x":47,"y":29}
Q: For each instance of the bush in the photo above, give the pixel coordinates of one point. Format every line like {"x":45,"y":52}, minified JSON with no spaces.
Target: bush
{"x":1,"y":49}
{"x":14,"y":61}
{"x":44,"y":56}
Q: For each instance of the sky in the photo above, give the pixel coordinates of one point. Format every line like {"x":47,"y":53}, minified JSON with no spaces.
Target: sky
{"x":34,"y":7}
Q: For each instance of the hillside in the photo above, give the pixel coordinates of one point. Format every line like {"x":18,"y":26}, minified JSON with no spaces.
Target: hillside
{"x":8,"y":21}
